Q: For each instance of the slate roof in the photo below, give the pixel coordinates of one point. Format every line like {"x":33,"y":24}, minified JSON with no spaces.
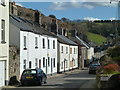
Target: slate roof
{"x":65,"y":40}
{"x":80,"y":41}
{"x":26,"y":25}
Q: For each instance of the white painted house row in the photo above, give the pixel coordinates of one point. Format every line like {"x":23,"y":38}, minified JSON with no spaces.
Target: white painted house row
{"x":37,"y":48}
{"x":67,"y":55}
{"x":4,"y":42}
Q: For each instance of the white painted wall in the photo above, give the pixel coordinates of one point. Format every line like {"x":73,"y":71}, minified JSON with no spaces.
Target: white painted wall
{"x":90,"y":53}
{"x":32,"y":53}
{"x":23,"y":53}
{"x":51,"y":53}
{"x":64,"y":60}
{"x":4,"y":48}
{"x":74,"y":57}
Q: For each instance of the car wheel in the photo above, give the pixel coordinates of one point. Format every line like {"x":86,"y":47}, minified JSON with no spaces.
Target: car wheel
{"x":23,"y":84}
{"x":89,"y":72}
{"x":45,"y":82}
{"x":40,"y":82}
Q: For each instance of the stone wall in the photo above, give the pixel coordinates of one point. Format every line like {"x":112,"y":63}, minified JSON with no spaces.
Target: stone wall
{"x":14,"y":64}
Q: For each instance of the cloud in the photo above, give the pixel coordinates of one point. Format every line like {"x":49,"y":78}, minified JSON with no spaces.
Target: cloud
{"x":19,"y":4}
{"x":112,"y":18}
{"x":91,"y":18}
{"x":75,"y":4}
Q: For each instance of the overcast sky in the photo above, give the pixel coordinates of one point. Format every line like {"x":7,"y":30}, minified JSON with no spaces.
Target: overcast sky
{"x":75,"y":9}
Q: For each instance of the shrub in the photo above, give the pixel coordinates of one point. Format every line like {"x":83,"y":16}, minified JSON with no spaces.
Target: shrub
{"x":110,"y":68}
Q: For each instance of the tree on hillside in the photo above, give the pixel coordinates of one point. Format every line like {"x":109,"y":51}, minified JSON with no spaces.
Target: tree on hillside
{"x":52,"y":16}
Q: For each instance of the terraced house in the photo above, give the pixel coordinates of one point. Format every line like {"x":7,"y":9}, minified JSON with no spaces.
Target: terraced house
{"x":38,"y":47}
{"x":4,"y":42}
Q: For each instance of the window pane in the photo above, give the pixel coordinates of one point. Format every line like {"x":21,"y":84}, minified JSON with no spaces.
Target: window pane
{"x":24,"y":64}
{"x":62,"y":49}
{"x":3,"y":2}
{"x":48,"y":44}
{"x":54,"y":62}
{"x":36,"y":62}
{"x":3,"y":31}
{"x":43,"y":43}
{"x":48,"y":61}
{"x":30,"y":64}
{"x":24,"y":41}
{"x":36,"y":42}
{"x":43,"y":62}
{"x":53,"y":44}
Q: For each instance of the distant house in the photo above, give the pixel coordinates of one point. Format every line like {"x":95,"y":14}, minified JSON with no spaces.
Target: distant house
{"x":4,"y":42}
{"x":85,"y":51}
{"x":68,"y":55}
{"x":38,"y":48}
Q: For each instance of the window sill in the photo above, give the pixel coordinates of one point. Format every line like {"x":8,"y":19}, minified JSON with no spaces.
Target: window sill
{"x":3,"y":4}
{"x":43,"y":47}
{"x":24,"y":48}
{"x":36,"y":47}
{"x":3,"y":42}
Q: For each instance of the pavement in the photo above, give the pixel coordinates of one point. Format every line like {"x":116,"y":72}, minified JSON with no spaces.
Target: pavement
{"x":53,"y":76}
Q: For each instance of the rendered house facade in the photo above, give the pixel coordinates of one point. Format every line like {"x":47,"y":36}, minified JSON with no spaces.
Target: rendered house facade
{"x":38,"y":48}
{"x":4,"y":42}
{"x":68,"y":55}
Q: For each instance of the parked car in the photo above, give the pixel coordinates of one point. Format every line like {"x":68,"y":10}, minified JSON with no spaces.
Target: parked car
{"x":114,"y":82}
{"x":93,"y":68}
{"x":33,"y":76}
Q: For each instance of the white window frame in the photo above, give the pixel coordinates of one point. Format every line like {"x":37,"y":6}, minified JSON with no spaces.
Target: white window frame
{"x":24,"y":64}
{"x":61,"y":49}
{"x":48,"y":44}
{"x":25,"y":42}
{"x":43,"y":61}
{"x":36,"y":62}
{"x":2,"y":2}
{"x":53,"y":44}
{"x":3,"y":31}
{"x":43,"y":41}
{"x":36,"y":42}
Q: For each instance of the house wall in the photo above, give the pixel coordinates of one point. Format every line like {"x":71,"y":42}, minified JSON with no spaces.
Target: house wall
{"x":64,"y":60}
{"x":52,"y":53}
{"x":24,"y":52}
{"x":90,"y":53}
{"x":4,"y":47}
{"x":48,"y":53}
{"x":31,"y":53}
{"x":14,"y":35}
{"x":83,"y":56}
{"x":74,"y":57}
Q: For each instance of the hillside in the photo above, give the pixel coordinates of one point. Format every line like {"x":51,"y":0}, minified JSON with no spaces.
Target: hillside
{"x":97,"y":39}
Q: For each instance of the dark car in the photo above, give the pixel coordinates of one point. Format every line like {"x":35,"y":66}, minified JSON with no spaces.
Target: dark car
{"x":33,"y":76}
{"x":93,"y":68}
{"x":114,"y":82}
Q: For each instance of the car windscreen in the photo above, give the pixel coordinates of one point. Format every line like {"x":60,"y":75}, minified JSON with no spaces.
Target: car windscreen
{"x":26,"y":72}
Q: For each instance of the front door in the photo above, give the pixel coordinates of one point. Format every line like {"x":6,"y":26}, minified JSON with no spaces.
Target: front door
{"x":39,"y":63}
{"x":51,"y":66}
{"x":46,"y":66}
{"x":2,"y":73}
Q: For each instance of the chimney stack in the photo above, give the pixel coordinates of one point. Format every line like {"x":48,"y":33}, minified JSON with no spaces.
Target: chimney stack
{"x":73,"y":33}
{"x":13,"y":8}
{"x":37,"y":17}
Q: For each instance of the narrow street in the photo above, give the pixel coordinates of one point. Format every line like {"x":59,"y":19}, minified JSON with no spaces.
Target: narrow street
{"x":77,"y":79}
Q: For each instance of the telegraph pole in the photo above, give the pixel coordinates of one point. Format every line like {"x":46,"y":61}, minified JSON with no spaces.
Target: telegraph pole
{"x":117,"y":21}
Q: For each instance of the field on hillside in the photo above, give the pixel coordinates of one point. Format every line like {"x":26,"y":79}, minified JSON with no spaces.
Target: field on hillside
{"x":97,"y":39}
